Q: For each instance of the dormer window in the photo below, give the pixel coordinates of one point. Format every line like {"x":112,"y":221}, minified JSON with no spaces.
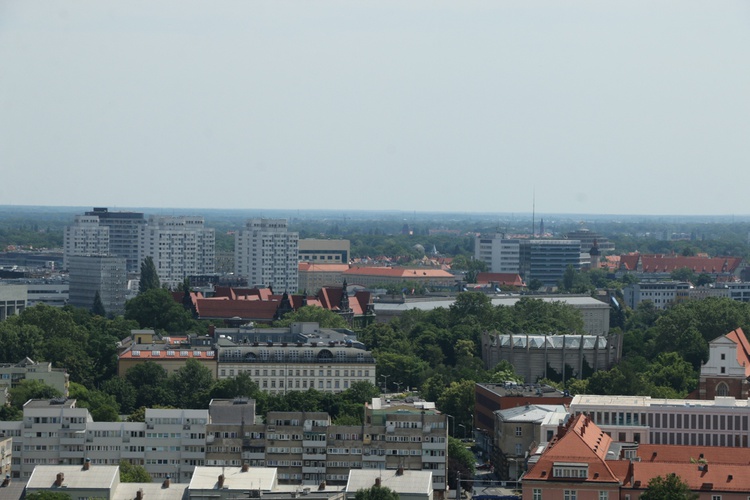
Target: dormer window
{"x":570,"y":469}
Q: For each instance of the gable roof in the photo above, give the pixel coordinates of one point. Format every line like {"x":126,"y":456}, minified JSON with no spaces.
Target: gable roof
{"x":662,"y":263}
{"x":581,"y":441}
{"x":500,"y":279}
{"x":743,"y":348}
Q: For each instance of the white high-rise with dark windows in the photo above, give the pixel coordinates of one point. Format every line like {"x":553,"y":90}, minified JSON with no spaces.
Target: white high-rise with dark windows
{"x":85,"y":237}
{"x":267,"y":253}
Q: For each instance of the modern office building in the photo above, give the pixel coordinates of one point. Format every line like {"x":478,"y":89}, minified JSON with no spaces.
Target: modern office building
{"x":179,"y":246}
{"x":547,"y":260}
{"x":501,"y":255}
{"x":13,"y":300}
{"x":85,"y":237}
{"x":317,"y":251}
{"x":124,"y":234}
{"x":661,"y":293}
{"x":267,"y":254}
{"x":541,"y":259}
{"x":90,"y":274}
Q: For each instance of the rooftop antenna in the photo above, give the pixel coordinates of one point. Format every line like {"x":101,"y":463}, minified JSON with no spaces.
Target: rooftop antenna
{"x":533,"y":213}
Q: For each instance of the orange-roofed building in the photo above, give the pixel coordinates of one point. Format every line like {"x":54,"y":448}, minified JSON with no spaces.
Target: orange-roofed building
{"x":583,"y":463}
{"x":168,"y":356}
{"x":661,"y":264}
{"x":313,"y":277}
{"x":727,"y":370}
{"x":500,"y":279}
{"x":369,"y":276}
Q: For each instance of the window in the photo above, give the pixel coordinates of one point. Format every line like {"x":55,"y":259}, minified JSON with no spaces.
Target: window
{"x":715,"y":497}
{"x":570,"y":495}
{"x":538,"y":494}
{"x":519,"y":431}
{"x":604,"y":495}
{"x":722,"y":389}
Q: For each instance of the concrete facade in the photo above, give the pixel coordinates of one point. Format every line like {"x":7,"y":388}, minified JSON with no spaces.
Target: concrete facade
{"x":317,"y":251}
{"x":85,"y":237}
{"x":13,"y":300}
{"x":267,"y":254}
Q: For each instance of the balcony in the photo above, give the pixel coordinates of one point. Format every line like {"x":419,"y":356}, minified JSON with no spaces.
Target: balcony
{"x":314,"y":456}
{"x":313,"y":470}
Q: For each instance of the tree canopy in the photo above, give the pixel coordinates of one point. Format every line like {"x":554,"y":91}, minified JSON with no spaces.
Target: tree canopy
{"x":149,"y":277}
{"x":670,"y":487}
{"x":376,"y":493}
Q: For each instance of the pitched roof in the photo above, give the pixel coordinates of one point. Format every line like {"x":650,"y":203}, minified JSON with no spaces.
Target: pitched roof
{"x":699,"y":477}
{"x":244,"y":309}
{"x":743,"y":348}
{"x":500,"y":278}
{"x":581,"y":442}
{"x":661,"y":263}
{"x":309,"y":267}
{"x":675,"y":454}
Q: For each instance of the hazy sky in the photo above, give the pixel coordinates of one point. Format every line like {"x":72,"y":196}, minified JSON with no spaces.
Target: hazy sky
{"x":631,"y":107}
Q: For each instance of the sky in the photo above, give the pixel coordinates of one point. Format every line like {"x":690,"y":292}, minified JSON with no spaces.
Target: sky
{"x":590,"y":107}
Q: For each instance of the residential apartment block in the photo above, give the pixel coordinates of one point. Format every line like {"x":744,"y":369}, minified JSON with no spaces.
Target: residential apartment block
{"x":124,"y":234}
{"x":27,"y":369}
{"x":179,"y":246}
{"x":85,"y":237}
{"x":267,"y":254}
{"x":306,"y":448}
{"x":661,"y":293}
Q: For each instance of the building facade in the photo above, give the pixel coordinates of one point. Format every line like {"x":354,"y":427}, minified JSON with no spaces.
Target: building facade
{"x":124,"y":234}
{"x":267,"y":254}
{"x":27,"y":369}
{"x":305,"y":447}
{"x":179,"y":246}
{"x":85,"y":237}
{"x":661,"y":293}
{"x":282,"y":367}
{"x":90,"y":274}
{"x":501,"y":255}
{"x":547,"y":260}
{"x":13,"y":299}
{"x":317,"y":251}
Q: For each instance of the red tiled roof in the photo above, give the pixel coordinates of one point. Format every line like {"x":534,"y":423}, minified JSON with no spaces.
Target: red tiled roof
{"x":660,"y":263}
{"x":245,"y":309}
{"x":583,"y":442}
{"x":743,"y":349}
{"x":500,"y":278}
{"x":170,"y":354}
{"x":676,"y":454}
{"x":699,"y":477}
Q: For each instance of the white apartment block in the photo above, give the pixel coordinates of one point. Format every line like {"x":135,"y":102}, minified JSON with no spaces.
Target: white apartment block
{"x":85,"y":237}
{"x":724,"y":421}
{"x":282,"y":367}
{"x":170,"y":442}
{"x":500,"y":255}
{"x":180,"y":247}
{"x":306,"y":447}
{"x":267,"y":253}
{"x":124,"y":234}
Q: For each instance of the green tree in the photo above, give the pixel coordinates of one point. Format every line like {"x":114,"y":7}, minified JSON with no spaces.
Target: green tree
{"x":313,"y":314}
{"x":130,"y":473}
{"x":376,"y":493}
{"x":191,"y":385}
{"x":460,"y":464}
{"x":155,"y":308}
{"x":149,"y":277}
{"x":123,"y":392}
{"x":31,"y":389}
{"x":98,"y":307}
{"x":150,"y":379}
{"x":458,"y":400}
{"x":535,"y":284}
{"x":683,"y":274}
{"x":671,"y":487}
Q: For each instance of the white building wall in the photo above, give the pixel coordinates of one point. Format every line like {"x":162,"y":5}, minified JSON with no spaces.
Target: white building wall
{"x":266,"y":253}
{"x":85,"y":237}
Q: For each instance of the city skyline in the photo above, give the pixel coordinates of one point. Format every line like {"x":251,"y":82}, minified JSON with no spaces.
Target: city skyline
{"x":587,"y":108}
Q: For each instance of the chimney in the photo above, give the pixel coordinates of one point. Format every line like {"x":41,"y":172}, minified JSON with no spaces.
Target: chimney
{"x":139,"y":494}
{"x":167,"y":481}
{"x":245,"y":467}
{"x":6,"y":481}
{"x":322,"y":486}
{"x":400,"y":470}
{"x":212,"y":331}
{"x":377,"y":482}
{"x":60,"y":479}
{"x":221,"y":481}
{"x":87,"y":464}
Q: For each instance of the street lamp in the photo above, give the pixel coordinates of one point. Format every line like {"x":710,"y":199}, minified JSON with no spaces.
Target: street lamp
{"x":398,"y":386}
{"x":464,"y":428}
{"x":385,"y":386}
{"x":454,"y":424}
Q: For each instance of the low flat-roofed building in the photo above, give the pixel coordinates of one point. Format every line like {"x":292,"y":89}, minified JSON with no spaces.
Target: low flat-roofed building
{"x":595,"y":313}
{"x":407,"y":484}
{"x":86,"y":481}
{"x":319,"y":251}
{"x":168,"y":357}
{"x":231,"y":482}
